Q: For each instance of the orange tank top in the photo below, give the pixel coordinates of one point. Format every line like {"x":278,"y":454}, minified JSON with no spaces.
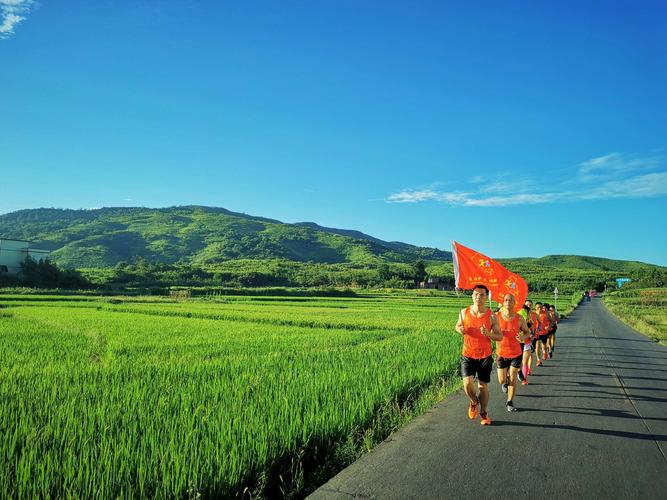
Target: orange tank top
{"x":533,"y":317}
{"x":509,"y":347}
{"x":476,"y":345}
{"x":544,"y":323}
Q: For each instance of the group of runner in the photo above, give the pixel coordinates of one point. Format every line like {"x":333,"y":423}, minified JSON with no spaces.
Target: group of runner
{"x":520,"y":337}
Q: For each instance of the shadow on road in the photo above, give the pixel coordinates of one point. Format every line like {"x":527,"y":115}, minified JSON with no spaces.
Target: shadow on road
{"x":615,"y":355}
{"x":602,"y":412}
{"x":597,"y":391}
{"x":603,"y":432}
{"x":593,"y":384}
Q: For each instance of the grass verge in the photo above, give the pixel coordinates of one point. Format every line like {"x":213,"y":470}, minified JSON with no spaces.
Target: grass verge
{"x":645,"y":310}
{"x":297,"y":476}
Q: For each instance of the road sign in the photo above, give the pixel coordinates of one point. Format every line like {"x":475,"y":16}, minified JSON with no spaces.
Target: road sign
{"x":556,"y":290}
{"x":620,"y":281}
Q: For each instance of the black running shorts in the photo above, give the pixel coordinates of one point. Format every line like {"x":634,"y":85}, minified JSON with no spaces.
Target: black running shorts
{"x":479,"y":367}
{"x":543,"y":338}
{"x":506,"y":362}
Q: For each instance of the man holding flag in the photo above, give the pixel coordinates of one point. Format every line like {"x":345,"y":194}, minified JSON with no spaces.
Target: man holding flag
{"x":477,"y":324}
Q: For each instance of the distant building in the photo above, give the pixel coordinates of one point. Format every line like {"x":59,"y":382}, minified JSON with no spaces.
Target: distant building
{"x":13,"y":252}
{"x":432,"y":283}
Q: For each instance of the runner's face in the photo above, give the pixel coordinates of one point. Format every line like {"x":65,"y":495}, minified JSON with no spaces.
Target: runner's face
{"x":509,"y":302}
{"x":479,"y":296}
{"x":529,"y":304}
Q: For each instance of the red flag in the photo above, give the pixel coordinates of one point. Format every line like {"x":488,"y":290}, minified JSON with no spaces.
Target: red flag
{"x":473,"y":268}
{"x":517,"y":286}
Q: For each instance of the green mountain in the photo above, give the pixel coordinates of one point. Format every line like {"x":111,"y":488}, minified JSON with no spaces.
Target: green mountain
{"x":210,"y":237}
{"x":581,"y":262}
{"x":195,"y":235}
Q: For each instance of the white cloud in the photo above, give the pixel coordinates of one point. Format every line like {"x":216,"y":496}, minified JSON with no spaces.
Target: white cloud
{"x":512,"y":199}
{"x":8,"y":23}
{"x":641,"y":186}
{"x":12,"y":13}
{"x":413,"y":196}
{"x":615,"y":165}
{"x":611,"y":176}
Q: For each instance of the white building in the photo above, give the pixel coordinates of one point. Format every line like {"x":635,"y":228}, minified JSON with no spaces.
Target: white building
{"x":13,"y":252}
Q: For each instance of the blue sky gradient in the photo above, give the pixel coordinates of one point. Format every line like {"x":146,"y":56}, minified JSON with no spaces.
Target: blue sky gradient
{"x":516,"y":128}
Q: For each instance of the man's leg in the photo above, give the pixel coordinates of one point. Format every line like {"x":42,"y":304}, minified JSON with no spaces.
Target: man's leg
{"x":502,"y":376}
{"x":483,"y":395}
{"x":512,"y":387}
{"x":483,"y":379}
{"x":469,"y":368}
{"x":538,"y":352}
{"x":470,"y":390}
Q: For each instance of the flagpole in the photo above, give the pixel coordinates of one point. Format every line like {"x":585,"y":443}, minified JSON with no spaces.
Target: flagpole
{"x":455,"y":264}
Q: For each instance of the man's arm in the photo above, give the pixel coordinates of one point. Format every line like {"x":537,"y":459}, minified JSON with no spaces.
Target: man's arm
{"x":495,"y":333}
{"x":523,"y":327}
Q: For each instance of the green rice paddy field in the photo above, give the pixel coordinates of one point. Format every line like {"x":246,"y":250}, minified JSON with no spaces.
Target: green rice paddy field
{"x":220,"y":397}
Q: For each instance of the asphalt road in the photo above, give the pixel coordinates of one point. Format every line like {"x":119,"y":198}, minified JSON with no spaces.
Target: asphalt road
{"x":592,"y":424}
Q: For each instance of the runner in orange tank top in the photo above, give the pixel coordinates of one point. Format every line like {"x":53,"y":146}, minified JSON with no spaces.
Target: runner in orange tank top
{"x":551,"y":341}
{"x":479,"y":326}
{"x":543,"y":325}
{"x":509,"y":350}
{"x":529,"y":347}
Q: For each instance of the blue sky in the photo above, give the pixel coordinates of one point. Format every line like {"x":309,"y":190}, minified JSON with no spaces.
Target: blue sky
{"x":516,"y":128}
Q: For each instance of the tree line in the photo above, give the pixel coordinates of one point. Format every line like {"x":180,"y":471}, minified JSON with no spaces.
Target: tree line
{"x":249,"y":273}
{"x":43,"y":273}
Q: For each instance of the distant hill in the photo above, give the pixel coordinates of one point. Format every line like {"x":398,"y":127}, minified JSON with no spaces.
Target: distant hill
{"x":195,"y":235}
{"x":204,"y":236}
{"x":581,"y":262}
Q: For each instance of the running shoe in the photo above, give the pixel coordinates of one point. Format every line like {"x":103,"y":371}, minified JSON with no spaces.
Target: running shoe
{"x":504,"y":386}
{"x":485,"y":418}
{"x":472,"y":411}
{"x":510,"y":406}
{"x":550,"y":355}
{"x":524,"y":382}
{"x":539,"y":363}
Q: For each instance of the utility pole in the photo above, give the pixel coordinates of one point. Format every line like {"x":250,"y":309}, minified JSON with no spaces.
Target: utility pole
{"x":556,"y":299}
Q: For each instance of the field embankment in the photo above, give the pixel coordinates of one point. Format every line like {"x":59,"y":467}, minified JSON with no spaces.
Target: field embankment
{"x":645,"y":310}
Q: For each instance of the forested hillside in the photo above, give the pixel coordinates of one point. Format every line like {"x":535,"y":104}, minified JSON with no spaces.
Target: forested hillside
{"x":194,"y":235}
{"x":207,"y":246}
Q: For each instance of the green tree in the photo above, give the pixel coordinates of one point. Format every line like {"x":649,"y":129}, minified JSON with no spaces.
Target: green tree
{"x":419,"y":270}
